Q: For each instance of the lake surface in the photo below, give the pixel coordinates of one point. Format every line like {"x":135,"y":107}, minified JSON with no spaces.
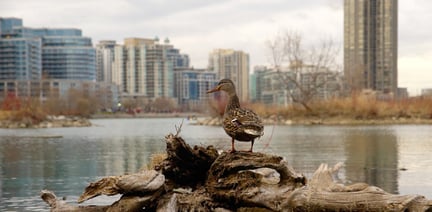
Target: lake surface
{"x":396,"y":158}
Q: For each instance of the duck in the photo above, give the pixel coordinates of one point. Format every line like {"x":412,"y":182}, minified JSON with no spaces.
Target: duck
{"x":239,"y":123}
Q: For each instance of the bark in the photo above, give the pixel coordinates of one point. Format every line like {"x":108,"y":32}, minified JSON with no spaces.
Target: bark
{"x":133,"y":184}
{"x":58,"y":205}
{"x":186,"y":166}
{"x":199,"y":179}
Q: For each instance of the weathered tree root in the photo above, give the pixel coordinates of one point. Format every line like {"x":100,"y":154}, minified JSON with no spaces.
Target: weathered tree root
{"x":199,"y":179}
{"x":186,"y":166}
{"x":58,"y":205}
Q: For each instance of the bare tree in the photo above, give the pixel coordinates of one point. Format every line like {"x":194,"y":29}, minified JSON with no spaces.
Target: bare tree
{"x":129,"y":104}
{"x":163,"y":104}
{"x":80,"y":101}
{"x":309,"y":69}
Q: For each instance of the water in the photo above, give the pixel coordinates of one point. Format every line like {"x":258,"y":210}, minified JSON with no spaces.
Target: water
{"x":395,"y":158}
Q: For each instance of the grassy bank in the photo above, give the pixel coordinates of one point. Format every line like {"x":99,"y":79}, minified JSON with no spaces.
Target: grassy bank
{"x":30,"y":112}
{"x":353,"y":110}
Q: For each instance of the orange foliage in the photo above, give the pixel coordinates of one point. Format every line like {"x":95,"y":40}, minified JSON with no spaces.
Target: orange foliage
{"x":11,"y":102}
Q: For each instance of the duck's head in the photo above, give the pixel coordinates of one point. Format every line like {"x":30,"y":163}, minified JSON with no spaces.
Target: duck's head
{"x":224,"y":85}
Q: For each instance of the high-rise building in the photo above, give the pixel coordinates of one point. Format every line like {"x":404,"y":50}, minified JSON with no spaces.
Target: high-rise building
{"x":35,"y":53}
{"x":130,"y":66}
{"x":370,"y":45}
{"x":66,"y":54}
{"x":20,"y":57}
{"x":145,"y":68}
{"x":7,"y":24}
{"x":104,"y":60}
{"x":191,"y":86}
{"x":232,"y":64}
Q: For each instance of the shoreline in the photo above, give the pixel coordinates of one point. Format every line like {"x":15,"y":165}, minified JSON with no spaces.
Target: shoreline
{"x":147,"y":115}
{"x":205,"y":120}
{"x":332,"y":121}
{"x":50,"y":122}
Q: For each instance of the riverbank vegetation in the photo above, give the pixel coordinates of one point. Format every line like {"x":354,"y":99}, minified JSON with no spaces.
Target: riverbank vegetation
{"x":356,"y":109}
{"x":23,"y":112}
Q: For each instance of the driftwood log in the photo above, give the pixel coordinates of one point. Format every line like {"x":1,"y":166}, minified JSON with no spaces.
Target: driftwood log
{"x":201,"y":179}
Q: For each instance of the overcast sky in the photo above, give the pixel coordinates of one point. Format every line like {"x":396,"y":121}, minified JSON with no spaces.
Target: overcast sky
{"x":197,"y":27}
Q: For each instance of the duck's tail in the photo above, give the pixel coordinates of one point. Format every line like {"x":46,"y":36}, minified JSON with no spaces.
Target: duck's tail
{"x":254,"y":129}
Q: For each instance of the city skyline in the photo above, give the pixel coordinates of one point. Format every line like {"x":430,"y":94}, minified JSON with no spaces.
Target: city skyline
{"x":198,"y":27}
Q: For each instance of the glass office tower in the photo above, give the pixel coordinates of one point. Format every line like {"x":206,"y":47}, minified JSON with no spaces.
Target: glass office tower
{"x":44,"y":53}
{"x":68,"y":57}
{"x":20,"y":58}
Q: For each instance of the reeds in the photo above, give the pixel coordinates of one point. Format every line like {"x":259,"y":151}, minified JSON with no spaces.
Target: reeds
{"x":355,"y":107}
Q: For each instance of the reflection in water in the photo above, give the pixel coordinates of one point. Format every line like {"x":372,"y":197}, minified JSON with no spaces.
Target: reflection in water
{"x":117,"y":146}
{"x":306,"y":147}
{"x":66,"y":165}
{"x":372,"y":156}
{"x":126,"y":155}
{"x":415,"y":147}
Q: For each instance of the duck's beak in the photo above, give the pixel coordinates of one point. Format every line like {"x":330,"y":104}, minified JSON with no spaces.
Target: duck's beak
{"x":215,"y":89}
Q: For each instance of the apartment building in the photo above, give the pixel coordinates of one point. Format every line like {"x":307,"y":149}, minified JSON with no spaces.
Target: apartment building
{"x":232,"y":64}
{"x":371,"y":45}
{"x":44,"y":53}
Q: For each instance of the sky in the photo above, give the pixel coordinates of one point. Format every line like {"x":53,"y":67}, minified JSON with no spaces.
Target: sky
{"x":196,"y":27}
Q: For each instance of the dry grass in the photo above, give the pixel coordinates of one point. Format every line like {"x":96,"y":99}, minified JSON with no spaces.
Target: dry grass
{"x":31,"y":111}
{"x":360,"y":107}
{"x":266,"y":110}
{"x":27,"y":111}
{"x":357,"y":107}
{"x":5,"y":114}
{"x":155,"y":160}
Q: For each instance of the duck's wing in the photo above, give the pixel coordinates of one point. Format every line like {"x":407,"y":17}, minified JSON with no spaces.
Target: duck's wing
{"x":246,"y":116}
{"x":245,"y":120}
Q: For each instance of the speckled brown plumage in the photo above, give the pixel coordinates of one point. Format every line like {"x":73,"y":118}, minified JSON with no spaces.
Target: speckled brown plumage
{"x":239,"y":123}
